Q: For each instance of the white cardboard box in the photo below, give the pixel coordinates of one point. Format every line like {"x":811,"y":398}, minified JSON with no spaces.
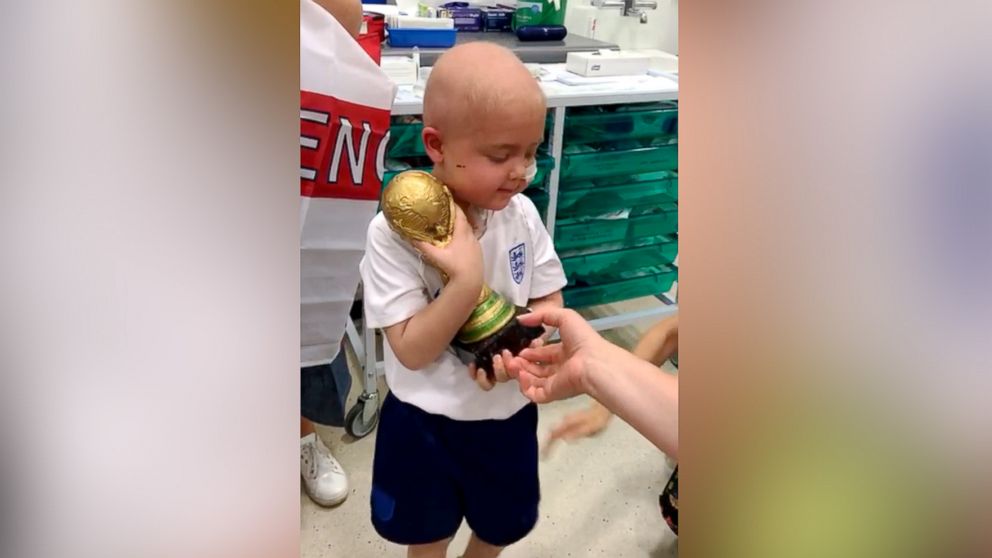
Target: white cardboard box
{"x":607,"y":63}
{"x":660,"y":60}
{"x":401,"y":69}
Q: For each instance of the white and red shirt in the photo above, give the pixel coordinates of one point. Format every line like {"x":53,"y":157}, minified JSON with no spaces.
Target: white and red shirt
{"x":345,"y":99}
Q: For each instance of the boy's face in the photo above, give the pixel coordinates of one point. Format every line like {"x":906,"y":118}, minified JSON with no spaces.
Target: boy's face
{"x":487,"y":165}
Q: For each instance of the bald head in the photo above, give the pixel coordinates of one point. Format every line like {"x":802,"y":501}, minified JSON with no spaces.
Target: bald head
{"x":476,"y":81}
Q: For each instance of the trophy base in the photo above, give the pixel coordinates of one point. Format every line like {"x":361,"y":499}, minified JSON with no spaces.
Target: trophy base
{"x":514,"y":337}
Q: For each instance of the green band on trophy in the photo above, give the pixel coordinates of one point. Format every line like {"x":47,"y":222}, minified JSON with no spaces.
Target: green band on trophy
{"x":486,"y":319}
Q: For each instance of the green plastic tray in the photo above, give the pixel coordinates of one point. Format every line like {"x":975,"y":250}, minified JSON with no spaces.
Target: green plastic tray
{"x":648,"y":122}
{"x":619,"y":163}
{"x":670,"y":177}
{"x":607,"y":266}
{"x":619,"y":245}
{"x":617,"y":180}
{"x":404,"y":139}
{"x":650,"y":281}
{"x":605,"y":199}
{"x":540,"y":199}
{"x":388,"y":175}
{"x":545,"y":163}
{"x":578,"y":234}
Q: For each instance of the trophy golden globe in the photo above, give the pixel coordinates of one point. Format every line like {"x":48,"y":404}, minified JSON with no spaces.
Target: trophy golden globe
{"x":418,"y":206}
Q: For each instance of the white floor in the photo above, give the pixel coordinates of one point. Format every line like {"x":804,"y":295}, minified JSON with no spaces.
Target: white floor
{"x":599,"y":495}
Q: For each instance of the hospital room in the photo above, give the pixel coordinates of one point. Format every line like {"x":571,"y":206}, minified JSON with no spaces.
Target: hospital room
{"x":550,"y":129}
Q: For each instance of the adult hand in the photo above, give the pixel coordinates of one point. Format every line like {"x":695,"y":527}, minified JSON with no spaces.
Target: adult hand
{"x":560,"y":370}
{"x":584,"y":362}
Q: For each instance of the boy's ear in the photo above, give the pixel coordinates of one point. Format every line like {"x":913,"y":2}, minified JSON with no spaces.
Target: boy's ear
{"x":432,"y":144}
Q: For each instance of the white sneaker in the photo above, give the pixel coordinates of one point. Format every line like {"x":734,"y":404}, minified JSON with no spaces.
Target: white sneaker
{"x":323,"y":477}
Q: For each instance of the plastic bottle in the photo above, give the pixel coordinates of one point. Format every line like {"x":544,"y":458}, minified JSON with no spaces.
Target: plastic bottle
{"x":539,"y":12}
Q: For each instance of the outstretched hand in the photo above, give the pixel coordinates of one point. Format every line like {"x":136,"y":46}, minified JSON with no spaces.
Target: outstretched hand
{"x":556,"y":371}
{"x":584,"y":362}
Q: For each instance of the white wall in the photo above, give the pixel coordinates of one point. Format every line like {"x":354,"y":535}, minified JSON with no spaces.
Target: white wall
{"x":661,"y":31}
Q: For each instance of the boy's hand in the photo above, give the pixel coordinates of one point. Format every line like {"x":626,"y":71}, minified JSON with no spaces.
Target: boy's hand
{"x":499,"y":372}
{"x":551,"y":301}
{"x":579,"y":424}
{"x":461,"y":259}
{"x":587,"y":422}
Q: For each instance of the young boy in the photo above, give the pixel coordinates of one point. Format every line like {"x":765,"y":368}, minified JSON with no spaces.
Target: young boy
{"x":451,"y":444}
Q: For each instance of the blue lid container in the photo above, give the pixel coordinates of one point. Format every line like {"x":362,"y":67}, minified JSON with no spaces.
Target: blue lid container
{"x":406,"y":37}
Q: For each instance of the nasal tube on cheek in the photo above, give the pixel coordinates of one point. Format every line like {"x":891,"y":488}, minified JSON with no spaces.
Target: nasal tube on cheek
{"x":531,"y":172}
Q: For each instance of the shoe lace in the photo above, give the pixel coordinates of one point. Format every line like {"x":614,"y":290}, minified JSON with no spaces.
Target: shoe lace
{"x":327,"y":453}
{"x":306,"y":454}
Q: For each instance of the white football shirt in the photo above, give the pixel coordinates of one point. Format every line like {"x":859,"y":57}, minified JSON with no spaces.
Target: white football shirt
{"x":520,"y":263}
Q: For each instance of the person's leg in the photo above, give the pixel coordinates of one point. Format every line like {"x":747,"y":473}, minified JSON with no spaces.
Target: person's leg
{"x":324,"y":389}
{"x":477,"y":548}
{"x":414,"y":500}
{"x":501,"y":488}
{"x":306,"y":427}
{"x":431,"y":550}
{"x":323,"y":478}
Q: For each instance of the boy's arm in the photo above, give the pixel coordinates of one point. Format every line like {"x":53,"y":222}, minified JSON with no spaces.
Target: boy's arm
{"x":547,"y":275}
{"x":555,"y":300}
{"x":421,"y":339}
{"x":660,"y":342}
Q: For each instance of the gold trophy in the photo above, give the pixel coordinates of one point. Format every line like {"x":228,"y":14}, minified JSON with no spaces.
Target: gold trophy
{"x":419,"y":207}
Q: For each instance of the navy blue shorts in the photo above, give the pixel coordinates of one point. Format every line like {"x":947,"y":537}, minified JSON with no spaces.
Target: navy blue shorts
{"x":430,"y":471}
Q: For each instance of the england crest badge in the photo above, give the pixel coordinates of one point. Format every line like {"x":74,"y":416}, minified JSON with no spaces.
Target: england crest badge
{"x":518,"y":262}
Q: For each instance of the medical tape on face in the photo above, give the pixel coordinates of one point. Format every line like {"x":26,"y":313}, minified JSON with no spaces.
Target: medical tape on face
{"x":531,"y":172}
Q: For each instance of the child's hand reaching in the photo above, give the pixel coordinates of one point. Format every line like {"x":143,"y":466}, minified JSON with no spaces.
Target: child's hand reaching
{"x":580,"y":424}
{"x":587,"y":422}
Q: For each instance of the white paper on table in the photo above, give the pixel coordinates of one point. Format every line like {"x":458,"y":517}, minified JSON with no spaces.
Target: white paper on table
{"x":569,"y":78}
{"x":644,"y":84}
{"x":674,"y":76}
{"x":409,"y":94}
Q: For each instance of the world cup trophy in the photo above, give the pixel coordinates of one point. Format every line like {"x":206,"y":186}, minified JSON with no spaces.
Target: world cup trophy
{"x":418,"y":206}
